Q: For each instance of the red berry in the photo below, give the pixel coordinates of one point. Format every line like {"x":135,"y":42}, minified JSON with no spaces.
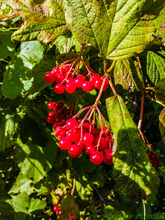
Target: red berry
{"x":22,"y":24}
{"x":55,"y":125}
{"x":59,"y":132}
{"x":70,"y":87}
{"x":71,"y":123}
{"x":56,"y":70}
{"x":96,"y":157}
{"x":108,"y":158}
{"x":86,"y":86}
{"x":88,"y":139}
{"x":79,"y":80}
{"x":51,"y":105}
{"x":71,"y":217}
{"x":158,"y":162}
{"x":56,"y":208}
{"x":66,"y":68}
{"x":90,"y":149}
{"x":98,"y":83}
{"x":64,"y":143}
{"x":51,"y":114}
{"x":50,"y":119}
{"x":75,"y":151}
{"x":73,"y":135}
{"x":60,"y":77}
{"x":95,"y":77}
{"x":58,"y":212}
{"x":49,"y":77}
{"x":59,"y":88}
{"x":94,"y":132}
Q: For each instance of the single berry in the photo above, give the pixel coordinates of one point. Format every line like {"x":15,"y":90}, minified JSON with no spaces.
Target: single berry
{"x":70,"y":87}
{"x":50,"y":119}
{"x":59,"y":132}
{"x":98,"y":83}
{"x":71,"y":217}
{"x":79,"y":80}
{"x":64,"y":143}
{"x":56,"y":208}
{"x":51,"y":105}
{"x":49,"y":77}
{"x":60,"y":77}
{"x":51,"y":114}
{"x":75,"y":151}
{"x":88,"y":139}
{"x":66,"y":68}
{"x":90,"y":149}
{"x":108,"y":158}
{"x":59,"y":88}
{"x":73,"y":135}
{"x":56,"y":70}
{"x":86,"y":86}
{"x":96,"y":157}
{"x":71,"y":123}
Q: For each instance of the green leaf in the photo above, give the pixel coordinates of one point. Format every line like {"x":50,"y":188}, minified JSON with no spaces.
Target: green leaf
{"x":36,"y":206}
{"x":22,"y":184}
{"x":7,"y":131}
{"x":35,"y":161}
{"x":7,"y":46}
{"x":128,"y":75}
{"x":156,"y":66}
{"x":132,"y":168}
{"x":45,"y":23}
{"x":19,"y":71}
{"x":123,"y":30}
{"x":87,"y":25}
{"x":160,"y":91}
{"x":162,"y":124}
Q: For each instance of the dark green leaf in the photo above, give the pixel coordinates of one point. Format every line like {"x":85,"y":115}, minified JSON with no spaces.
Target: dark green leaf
{"x":156,"y":66}
{"x":6,"y":45}
{"x":132,"y":168}
{"x":160,"y":91}
{"x":35,"y":161}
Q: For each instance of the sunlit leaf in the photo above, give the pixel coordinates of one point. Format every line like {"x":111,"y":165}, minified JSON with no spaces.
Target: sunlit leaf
{"x":132,"y":168}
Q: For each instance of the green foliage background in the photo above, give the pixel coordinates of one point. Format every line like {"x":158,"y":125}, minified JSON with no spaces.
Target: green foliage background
{"x":132,"y":32}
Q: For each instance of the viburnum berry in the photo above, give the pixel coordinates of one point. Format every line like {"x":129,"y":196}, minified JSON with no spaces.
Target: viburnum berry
{"x":71,"y":123}
{"x":96,"y":157}
{"x":51,"y":114}
{"x":80,"y":144}
{"x":86,"y":86}
{"x":66,"y":68}
{"x":71,"y":217}
{"x":90,"y":149}
{"x":78,"y":81}
{"x":88,"y":139}
{"x":51,"y":105}
{"x":108,"y":158}
{"x":64,"y":143}
{"x":70,"y":87}
{"x":49,"y":77}
{"x":75,"y":151}
{"x":56,"y":70}
{"x":56,"y":208}
{"x":98,"y":83}
{"x":73,"y":135}
{"x":59,"y":132}
{"x":59,"y":88}
{"x":50,"y":119}
{"x":60,"y":77}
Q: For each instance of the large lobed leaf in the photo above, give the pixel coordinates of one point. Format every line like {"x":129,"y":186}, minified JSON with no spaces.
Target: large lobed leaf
{"x":35,"y":161}
{"x":44,"y":22}
{"x":119,"y":29}
{"x":132,"y":168}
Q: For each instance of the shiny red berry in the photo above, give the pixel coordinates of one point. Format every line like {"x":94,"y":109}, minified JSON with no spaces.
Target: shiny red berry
{"x":96,"y":157}
{"x":88,"y":139}
{"x":64,"y":143}
{"x":49,"y":77}
{"x":75,"y":151}
{"x":59,"y":88}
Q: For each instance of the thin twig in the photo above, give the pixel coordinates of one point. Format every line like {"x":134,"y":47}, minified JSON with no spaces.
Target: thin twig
{"x":74,"y":185}
{"x":103,"y":201}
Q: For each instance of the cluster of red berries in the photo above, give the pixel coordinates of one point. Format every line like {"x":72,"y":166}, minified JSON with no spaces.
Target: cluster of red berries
{"x":58,"y":211}
{"x":59,"y":114}
{"x":76,"y":136}
{"x":153,"y":157}
{"x":64,"y":76}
